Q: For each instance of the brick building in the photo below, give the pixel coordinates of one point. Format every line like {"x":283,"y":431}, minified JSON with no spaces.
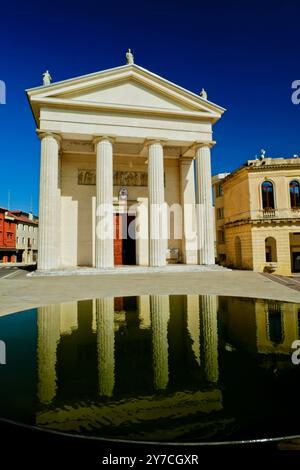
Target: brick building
{"x":7,"y":236}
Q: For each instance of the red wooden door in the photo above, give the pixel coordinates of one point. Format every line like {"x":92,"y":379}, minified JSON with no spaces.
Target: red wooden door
{"x":118,"y":241}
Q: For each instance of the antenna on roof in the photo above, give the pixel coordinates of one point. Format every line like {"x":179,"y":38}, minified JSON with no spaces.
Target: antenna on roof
{"x":30,"y":206}
{"x":8,"y":199}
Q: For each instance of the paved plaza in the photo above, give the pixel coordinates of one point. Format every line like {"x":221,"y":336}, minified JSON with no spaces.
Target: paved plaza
{"x":20,"y":292}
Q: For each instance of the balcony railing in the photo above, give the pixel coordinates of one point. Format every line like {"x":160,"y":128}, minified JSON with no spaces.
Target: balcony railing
{"x":268,"y":213}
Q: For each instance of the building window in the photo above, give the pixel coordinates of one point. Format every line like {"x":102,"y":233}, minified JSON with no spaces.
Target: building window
{"x":267,"y":195}
{"x":20,"y":227}
{"x":18,"y":239}
{"x":295,"y":194}
{"x":23,"y":240}
{"x":220,"y":213}
{"x":221,"y":236}
{"x":270,"y":249}
{"x":219,"y":190}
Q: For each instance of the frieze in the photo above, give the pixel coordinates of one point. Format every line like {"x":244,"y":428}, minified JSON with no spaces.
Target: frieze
{"x":121,"y":178}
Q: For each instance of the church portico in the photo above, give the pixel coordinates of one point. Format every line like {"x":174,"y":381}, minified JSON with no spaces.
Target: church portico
{"x":119,"y":150}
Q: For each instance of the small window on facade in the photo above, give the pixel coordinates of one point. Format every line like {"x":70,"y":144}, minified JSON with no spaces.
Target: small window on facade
{"x":221,"y":236}
{"x":267,"y":195}
{"x":295,"y":194}
{"x":220,"y":213}
{"x":270,"y":250}
{"x":219,"y":190}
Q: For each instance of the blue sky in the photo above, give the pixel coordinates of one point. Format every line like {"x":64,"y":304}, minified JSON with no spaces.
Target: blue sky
{"x":245,"y":54}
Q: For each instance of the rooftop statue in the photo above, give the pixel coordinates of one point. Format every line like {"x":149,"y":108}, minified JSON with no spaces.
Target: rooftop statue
{"x":129,"y":57}
{"x":203,"y":94}
{"x":47,"y":78}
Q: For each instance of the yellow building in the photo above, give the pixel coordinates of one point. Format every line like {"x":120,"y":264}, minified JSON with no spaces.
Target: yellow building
{"x":257,"y":210}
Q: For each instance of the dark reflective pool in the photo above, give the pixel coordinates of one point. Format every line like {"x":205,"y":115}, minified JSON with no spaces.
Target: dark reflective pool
{"x":157,"y":368}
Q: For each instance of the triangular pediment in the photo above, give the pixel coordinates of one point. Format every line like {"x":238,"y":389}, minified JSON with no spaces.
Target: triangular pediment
{"x":131,"y":88}
{"x":129,"y":92}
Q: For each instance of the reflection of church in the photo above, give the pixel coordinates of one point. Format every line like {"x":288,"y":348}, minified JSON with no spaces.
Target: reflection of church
{"x":108,"y":361}
{"x":161,"y":367}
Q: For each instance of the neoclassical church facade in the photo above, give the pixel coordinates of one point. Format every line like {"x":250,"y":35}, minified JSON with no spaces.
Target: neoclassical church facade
{"x":125,"y":172}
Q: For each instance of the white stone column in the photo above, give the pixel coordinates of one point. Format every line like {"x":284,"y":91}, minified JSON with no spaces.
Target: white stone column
{"x":48,"y":322}
{"x":104,"y":250}
{"x":205,"y":226}
{"x":157,"y":212}
{"x":106,"y":345}
{"x":188,"y":204}
{"x":208,"y":305}
{"x":49,"y":203}
{"x":142,"y":232}
{"x":160,"y":314}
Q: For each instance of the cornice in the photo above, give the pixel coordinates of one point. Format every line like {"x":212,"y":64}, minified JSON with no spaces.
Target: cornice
{"x":115,"y":108}
{"x":267,"y":221}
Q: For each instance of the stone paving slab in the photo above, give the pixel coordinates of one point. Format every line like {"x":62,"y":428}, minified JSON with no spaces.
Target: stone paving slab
{"x":27,"y":292}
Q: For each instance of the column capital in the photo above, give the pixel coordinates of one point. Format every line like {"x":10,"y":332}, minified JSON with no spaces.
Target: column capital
{"x":208,"y":144}
{"x":41,"y":134}
{"x":186,"y":160}
{"x":99,"y":138}
{"x":155,"y":141}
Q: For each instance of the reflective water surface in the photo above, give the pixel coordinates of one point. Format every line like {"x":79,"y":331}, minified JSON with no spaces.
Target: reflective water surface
{"x":158,"y":368}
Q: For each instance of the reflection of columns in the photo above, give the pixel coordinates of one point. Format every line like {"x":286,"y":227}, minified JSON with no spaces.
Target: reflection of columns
{"x":160,"y":314}
{"x":193,"y":323}
{"x":187,"y":197}
{"x":209,"y":336}
{"x":104,"y":251}
{"x":49,"y":204}
{"x":94,"y":317}
{"x":157,"y":220}
{"x":143,"y":302}
{"x":48,"y":338}
{"x":68,"y":319}
{"x":106,"y":345}
{"x":205,"y":226}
